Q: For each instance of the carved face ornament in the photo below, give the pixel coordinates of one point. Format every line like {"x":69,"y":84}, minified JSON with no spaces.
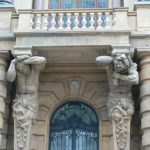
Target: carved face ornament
{"x":121,"y":63}
{"x":116,"y":114}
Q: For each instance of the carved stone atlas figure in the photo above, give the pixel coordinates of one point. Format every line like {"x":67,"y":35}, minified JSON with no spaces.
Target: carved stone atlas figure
{"x":120,"y":103}
{"x":25,"y":70}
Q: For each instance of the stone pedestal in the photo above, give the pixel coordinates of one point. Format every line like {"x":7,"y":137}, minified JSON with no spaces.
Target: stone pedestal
{"x":145,"y":99}
{"x":124,"y":143}
{"x":3,"y":89}
{"x":22,"y":135}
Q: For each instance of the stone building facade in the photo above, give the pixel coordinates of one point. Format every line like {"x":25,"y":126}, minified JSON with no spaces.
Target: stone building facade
{"x":74,"y":79}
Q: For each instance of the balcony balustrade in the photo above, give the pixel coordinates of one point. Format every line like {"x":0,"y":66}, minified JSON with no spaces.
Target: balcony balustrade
{"x":73,"y":20}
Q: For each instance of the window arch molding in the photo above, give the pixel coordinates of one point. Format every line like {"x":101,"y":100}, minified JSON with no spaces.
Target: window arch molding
{"x":84,"y":102}
{"x":81,"y":99}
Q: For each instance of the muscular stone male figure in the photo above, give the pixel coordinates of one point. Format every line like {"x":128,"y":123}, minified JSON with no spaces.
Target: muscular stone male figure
{"x":25,"y":70}
{"x":120,"y":103}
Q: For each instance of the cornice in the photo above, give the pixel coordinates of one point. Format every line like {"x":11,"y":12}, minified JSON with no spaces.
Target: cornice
{"x":63,"y":33}
{"x":134,"y":13}
{"x":141,"y":5}
{"x":72,"y":10}
{"x":7,"y":8}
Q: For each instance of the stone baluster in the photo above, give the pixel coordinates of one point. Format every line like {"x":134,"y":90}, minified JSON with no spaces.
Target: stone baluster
{"x":68,"y":22}
{"x":61,"y":22}
{"x":84,"y":21}
{"x":107,"y":21}
{"x":38,"y":22}
{"x":99,"y":21}
{"x":145,"y":99}
{"x":32,"y":22}
{"x":45,"y":22}
{"x":3,"y":90}
{"x":92,"y":22}
{"x":76,"y":22}
{"x":53,"y":22}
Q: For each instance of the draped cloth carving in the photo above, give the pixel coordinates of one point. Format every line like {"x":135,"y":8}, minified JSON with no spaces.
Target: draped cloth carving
{"x":25,"y":70}
{"x":120,"y":103}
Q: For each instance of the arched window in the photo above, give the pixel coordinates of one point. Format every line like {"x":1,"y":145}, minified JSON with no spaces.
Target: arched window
{"x":78,"y":4}
{"x":6,"y":2}
{"x":74,"y":126}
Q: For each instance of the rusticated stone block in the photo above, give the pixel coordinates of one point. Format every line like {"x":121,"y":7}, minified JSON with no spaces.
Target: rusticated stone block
{"x":39,"y":128}
{"x":37,"y":143}
{"x":3,"y":90}
{"x":107,"y":128}
{"x":2,"y":106}
{"x":56,"y":87}
{"x":1,"y":121}
{"x":3,"y":142}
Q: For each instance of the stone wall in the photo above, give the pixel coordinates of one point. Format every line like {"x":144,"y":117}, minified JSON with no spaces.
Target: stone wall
{"x":56,"y":89}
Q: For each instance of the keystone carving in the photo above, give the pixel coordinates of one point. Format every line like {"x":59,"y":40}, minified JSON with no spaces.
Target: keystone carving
{"x":120,"y":103}
{"x":25,"y":70}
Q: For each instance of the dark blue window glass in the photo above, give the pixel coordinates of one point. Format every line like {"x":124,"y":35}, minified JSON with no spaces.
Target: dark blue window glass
{"x":87,"y":3}
{"x":74,"y":126}
{"x":54,"y":4}
{"x":68,"y":4}
{"x":103,"y":4}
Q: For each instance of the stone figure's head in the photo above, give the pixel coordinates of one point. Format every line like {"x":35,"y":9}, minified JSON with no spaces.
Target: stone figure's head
{"x":121,"y":63}
{"x":23,"y":68}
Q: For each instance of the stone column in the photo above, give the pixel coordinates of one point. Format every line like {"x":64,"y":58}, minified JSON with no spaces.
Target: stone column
{"x":38,"y":4}
{"x":3,"y":90}
{"x":145,"y":99}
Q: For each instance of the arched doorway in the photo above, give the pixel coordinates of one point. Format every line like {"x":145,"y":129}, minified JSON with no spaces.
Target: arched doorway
{"x":74,"y":126}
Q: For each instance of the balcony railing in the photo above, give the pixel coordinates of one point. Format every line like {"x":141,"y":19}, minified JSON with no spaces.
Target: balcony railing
{"x":73,"y":20}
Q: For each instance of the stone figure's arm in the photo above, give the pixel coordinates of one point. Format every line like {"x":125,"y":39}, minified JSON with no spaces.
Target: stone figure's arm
{"x":104,"y":60}
{"x":132,"y":78}
{"x":11,"y":72}
{"x":37,"y":61}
